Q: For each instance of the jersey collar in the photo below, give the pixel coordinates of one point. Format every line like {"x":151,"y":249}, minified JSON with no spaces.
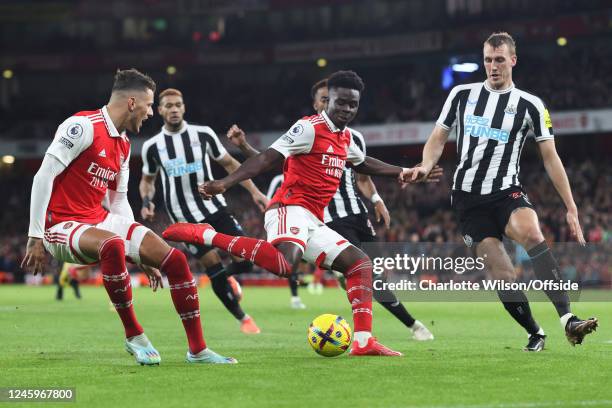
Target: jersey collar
{"x":329,"y":123}
{"x":178,"y":132}
{"x":500,"y":91}
{"x":110,"y":126}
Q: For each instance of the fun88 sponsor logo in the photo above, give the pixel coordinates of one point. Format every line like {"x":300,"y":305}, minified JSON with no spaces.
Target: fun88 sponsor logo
{"x":178,"y":167}
{"x":477,"y":126}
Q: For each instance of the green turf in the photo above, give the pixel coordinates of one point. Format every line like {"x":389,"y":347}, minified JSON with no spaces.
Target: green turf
{"x":476,"y":359}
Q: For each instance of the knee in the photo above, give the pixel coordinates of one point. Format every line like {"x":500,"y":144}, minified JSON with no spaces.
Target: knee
{"x":112,"y":247}
{"x":291,"y":252}
{"x":531,"y":236}
{"x":173,"y":259}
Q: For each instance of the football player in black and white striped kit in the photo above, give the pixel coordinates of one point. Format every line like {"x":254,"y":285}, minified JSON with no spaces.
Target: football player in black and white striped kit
{"x":182,"y":152}
{"x":347,"y":214}
{"x":492,"y":120}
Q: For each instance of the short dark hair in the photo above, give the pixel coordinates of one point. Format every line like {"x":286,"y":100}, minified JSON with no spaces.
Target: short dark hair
{"x":345,"y":79}
{"x":132,"y":80}
{"x":321,"y":84}
{"x":169,"y":92}
{"x":500,"y":38}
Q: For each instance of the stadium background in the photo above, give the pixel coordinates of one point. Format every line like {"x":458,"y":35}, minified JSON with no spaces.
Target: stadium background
{"x":252,"y":63}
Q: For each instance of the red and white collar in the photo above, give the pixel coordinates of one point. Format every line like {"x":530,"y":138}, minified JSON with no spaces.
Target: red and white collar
{"x":329,"y":123}
{"x":110,"y":126}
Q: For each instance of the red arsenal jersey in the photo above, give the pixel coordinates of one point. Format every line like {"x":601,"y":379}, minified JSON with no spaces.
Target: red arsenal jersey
{"x":316,"y":152}
{"x":96,"y":157}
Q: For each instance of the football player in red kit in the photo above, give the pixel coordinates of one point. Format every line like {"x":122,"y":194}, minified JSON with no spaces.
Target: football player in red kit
{"x":87,"y":162}
{"x":315,"y":151}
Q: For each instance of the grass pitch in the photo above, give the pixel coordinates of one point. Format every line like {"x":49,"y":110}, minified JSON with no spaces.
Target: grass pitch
{"x":475,"y":360}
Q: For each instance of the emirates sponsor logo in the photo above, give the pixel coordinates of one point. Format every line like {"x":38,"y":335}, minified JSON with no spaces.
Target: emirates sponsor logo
{"x":100,"y":175}
{"x":335,"y":165}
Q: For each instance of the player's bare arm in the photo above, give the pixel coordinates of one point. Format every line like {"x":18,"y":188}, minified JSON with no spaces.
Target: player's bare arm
{"x":556,"y":172}
{"x":147,"y":192}
{"x":230,"y":164}
{"x":250,"y":168}
{"x":431,"y":153}
{"x":368,"y":189}
{"x":237,"y":137}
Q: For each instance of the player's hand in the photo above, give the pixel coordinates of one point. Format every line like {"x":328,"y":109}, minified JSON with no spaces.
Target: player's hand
{"x":34,"y":259}
{"x":380,"y":209}
{"x":419,"y":174}
{"x":236,"y":136}
{"x":260,"y":200}
{"x":148,"y":213}
{"x":405,"y":177}
{"x":574,"y":225}
{"x":155,"y":278}
{"x":211,"y":188}
{"x":435,"y":174}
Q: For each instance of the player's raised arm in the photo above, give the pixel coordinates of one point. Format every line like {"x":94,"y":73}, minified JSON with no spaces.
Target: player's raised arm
{"x":431,"y":153}
{"x":250,"y":168}
{"x":230,"y":164}
{"x":298,"y":140}
{"x":237,"y":137}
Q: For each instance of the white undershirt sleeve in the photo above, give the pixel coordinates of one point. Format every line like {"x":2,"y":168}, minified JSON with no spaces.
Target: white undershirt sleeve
{"x":42,"y":188}
{"x":118,"y":204}
{"x":118,"y":200}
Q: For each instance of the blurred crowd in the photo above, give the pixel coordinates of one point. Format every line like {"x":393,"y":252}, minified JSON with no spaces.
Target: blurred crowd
{"x":419,"y":214}
{"x":273,"y":98}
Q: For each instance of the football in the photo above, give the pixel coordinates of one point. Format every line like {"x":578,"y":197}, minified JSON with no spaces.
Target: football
{"x":329,"y":335}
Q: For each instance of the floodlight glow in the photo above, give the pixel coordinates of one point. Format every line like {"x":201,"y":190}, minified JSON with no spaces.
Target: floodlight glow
{"x":465,"y":67}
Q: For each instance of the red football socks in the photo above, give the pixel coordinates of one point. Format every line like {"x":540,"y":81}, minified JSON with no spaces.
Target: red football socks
{"x":184,"y":292}
{"x":118,"y":284}
{"x":258,"y":251}
{"x":359,"y":291}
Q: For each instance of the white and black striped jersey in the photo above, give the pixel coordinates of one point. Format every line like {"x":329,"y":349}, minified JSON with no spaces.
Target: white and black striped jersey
{"x":491,"y":128}
{"x":346,"y":201}
{"x":184,"y":160}
{"x":274,"y":185}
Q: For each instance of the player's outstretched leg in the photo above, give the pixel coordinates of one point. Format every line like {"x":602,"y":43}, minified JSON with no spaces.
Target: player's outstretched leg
{"x":357,"y":269}
{"x":258,"y":251}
